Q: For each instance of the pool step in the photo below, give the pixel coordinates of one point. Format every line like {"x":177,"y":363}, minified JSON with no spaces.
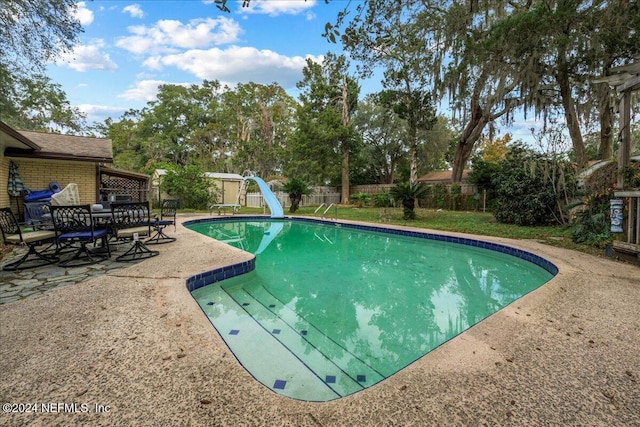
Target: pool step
{"x":259,"y":352}
{"x":341,"y":371}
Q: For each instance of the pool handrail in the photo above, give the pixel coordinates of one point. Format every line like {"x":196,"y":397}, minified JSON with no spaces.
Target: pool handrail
{"x":332,"y":205}
{"x":318,"y":208}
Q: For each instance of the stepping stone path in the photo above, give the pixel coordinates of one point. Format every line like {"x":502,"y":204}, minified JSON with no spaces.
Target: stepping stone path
{"x":20,"y":284}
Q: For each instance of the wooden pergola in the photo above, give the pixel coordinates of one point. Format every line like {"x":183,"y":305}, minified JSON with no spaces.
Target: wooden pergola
{"x":626,"y":80}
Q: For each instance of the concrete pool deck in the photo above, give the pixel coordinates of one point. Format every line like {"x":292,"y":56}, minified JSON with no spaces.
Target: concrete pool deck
{"x":132,"y":347}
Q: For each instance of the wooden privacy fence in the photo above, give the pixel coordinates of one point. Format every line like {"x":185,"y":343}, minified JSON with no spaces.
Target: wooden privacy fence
{"x":462,"y":198}
{"x":255,"y":200}
{"x":467,"y":189}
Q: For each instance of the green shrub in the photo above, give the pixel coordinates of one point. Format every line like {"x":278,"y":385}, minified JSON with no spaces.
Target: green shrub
{"x":591,"y":224}
{"x":191,"y":186}
{"x":360,"y":199}
{"x":440,"y":193}
{"x":532,"y":189}
{"x":407,"y":193}
{"x":382,"y":200}
{"x":296,"y":188}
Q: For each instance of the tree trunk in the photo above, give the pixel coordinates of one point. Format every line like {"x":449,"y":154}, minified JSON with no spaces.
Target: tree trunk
{"x":570,"y":114}
{"x":345,"y":143}
{"x":391,"y":172}
{"x":606,"y":124}
{"x":413,"y":151}
{"x":345,"y":174}
{"x":469,"y":137}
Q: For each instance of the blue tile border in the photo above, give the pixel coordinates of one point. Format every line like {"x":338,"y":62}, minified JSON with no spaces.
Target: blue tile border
{"x":213,"y":276}
{"x":219,"y":274}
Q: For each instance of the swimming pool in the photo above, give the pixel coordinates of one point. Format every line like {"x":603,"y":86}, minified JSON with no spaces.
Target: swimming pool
{"x":326,"y":310}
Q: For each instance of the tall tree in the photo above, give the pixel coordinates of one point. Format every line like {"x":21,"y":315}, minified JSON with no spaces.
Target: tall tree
{"x":33,"y":33}
{"x":481,"y":88}
{"x":562,"y":46}
{"x":129,"y":152}
{"x":262,"y":118}
{"x":36,"y":103}
{"x":328,"y":99}
{"x":425,"y":46}
{"x":414,"y":107}
{"x":383,"y":34}
{"x":382,"y":134}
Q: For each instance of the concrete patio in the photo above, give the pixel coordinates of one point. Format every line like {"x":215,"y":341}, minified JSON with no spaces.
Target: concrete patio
{"x":130,"y":346}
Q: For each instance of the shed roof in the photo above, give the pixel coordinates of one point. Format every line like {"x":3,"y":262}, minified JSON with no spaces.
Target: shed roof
{"x":225,"y":176}
{"x":214,"y":175}
{"x":443,"y":176}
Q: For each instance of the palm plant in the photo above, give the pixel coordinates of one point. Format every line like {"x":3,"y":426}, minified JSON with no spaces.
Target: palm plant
{"x":407,"y":193}
{"x":296,"y":189}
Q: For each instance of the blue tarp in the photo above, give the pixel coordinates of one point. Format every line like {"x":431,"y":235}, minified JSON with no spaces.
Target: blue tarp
{"x":39,"y":197}
{"x":42,"y":195}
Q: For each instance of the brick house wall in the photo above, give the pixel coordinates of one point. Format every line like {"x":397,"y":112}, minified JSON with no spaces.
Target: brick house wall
{"x":38,"y":173}
{"x":4,"y":167}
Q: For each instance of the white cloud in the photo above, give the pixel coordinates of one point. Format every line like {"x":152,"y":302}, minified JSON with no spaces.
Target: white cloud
{"x":88,"y":57}
{"x":168,"y":35}
{"x":99,"y":113}
{"x":134,"y":10}
{"x":236,"y":64}
{"x":279,"y":7}
{"x":84,"y":15}
{"x":143,"y":90}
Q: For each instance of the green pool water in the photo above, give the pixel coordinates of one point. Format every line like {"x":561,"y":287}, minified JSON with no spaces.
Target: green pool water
{"x":329,"y":311}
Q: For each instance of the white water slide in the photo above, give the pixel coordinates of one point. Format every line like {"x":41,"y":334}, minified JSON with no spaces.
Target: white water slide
{"x":269,"y":198}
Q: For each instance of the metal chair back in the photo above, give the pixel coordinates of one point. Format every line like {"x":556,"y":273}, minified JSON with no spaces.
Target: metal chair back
{"x":12,"y":234}
{"x":131,"y":214}
{"x":74,"y":223}
{"x":72,"y":218}
{"x":35,"y":211}
{"x":130,"y":221}
{"x":169,"y":208}
{"x":9,"y":224}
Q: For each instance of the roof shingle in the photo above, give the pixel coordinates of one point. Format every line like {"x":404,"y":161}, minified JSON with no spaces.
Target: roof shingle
{"x":57,"y":145}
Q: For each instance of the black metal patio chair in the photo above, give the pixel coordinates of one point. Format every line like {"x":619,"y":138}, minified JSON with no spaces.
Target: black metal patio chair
{"x":168,"y":210}
{"x":38,"y":214}
{"x":131,"y":221}
{"x":74,"y":224}
{"x":13,"y":235}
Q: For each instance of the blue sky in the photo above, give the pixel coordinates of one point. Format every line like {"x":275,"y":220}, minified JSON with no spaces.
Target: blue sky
{"x":128,"y":48}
